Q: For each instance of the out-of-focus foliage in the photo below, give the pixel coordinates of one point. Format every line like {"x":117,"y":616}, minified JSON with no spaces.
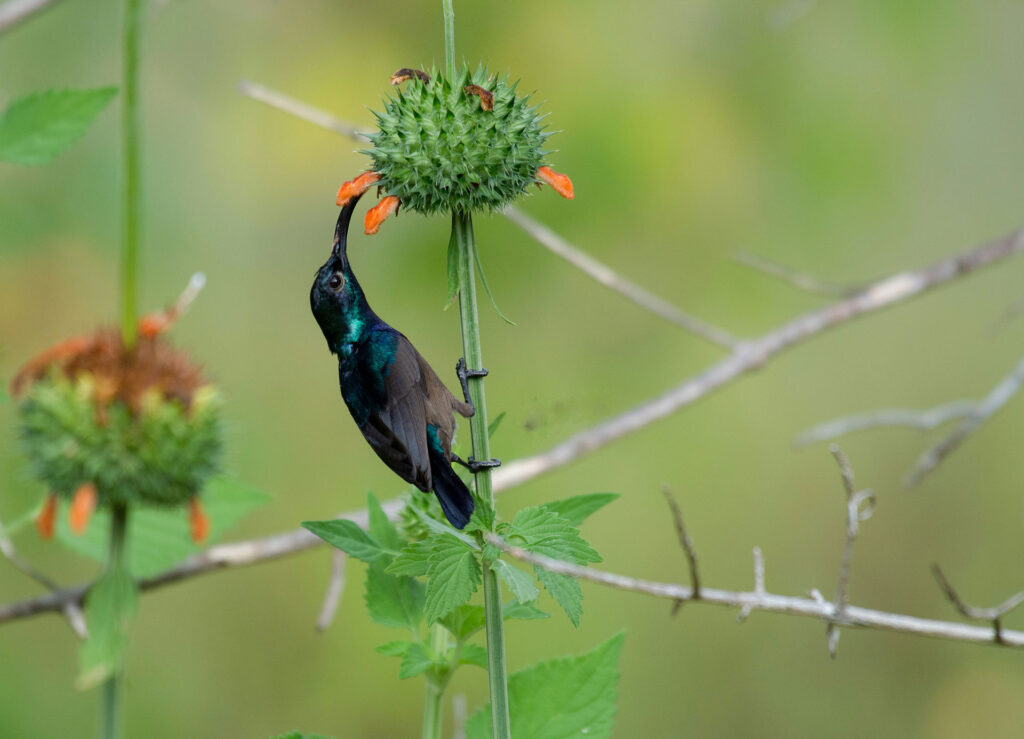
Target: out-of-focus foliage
{"x":848,"y":139}
{"x":38,"y":126}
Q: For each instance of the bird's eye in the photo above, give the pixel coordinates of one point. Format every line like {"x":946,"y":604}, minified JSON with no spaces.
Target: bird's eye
{"x":336,"y":282}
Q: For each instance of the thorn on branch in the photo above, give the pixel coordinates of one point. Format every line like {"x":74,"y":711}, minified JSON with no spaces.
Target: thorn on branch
{"x":994,"y":614}
{"x":759,"y":590}
{"x":687,"y":545}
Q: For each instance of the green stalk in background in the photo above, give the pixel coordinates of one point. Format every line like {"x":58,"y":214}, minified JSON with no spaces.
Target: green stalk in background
{"x":462,"y":229}
{"x":111,"y":716}
{"x":130,"y":168}
{"x":433,"y":704}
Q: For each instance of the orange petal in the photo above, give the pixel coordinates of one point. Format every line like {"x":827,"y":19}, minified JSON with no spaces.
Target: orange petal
{"x":378,"y":213}
{"x":153,"y":324}
{"x":82,"y":505}
{"x":47,"y":516}
{"x":37,"y":366}
{"x":559,"y":182}
{"x":355,"y":188}
{"x":198,"y":521}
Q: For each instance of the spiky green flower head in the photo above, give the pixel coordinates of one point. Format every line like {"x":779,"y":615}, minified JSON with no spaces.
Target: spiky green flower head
{"x":138,"y":425}
{"x":468,"y":144}
{"x":160,"y":455}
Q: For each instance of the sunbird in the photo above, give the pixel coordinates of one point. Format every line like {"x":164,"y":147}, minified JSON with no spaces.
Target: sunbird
{"x":404,"y":411}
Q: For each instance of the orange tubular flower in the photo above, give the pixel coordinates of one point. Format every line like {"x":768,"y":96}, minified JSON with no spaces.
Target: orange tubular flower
{"x":356,"y":187}
{"x":82,"y":505}
{"x":198,"y":521}
{"x":559,"y":182}
{"x":47,"y":517}
{"x":378,"y":213}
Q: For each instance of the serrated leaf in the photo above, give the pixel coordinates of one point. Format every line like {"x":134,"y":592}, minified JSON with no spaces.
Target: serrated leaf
{"x":414,"y":560}
{"x":393,"y":601}
{"x":415,"y":661}
{"x":577,"y":508}
{"x":38,"y":126}
{"x":523,"y":611}
{"x":564,"y":589}
{"x":473,"y":654}
{"x":493,"y":426}
{"x":561,"y":699}
{"x":395,"y":648}
{"x":110,"y":605}
{"x":521,"y":584}
{"x":347,"y":536}
{"x":381,"y":527}
{"x":546,"y":532}
{"x":160,"y":538}
{"x":464,"y":621}
{"x":454,"y":577}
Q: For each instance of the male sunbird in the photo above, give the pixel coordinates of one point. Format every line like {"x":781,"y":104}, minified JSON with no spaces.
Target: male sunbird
{"x":396,"y":399}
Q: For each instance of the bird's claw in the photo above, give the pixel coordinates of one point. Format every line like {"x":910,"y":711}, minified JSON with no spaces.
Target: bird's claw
{"x":476,"y":465}
{"x":464,"y":373}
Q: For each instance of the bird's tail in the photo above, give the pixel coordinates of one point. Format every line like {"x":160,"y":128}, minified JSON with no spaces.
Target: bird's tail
{"x":455,"y":498}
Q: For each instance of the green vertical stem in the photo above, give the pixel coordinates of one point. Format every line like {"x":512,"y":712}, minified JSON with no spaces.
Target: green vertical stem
{"x":130,"y":184}
{"x":449,"y":38}
{"x":433,"y":706}
{"x":111,"y":715}
{"x":462,"y":227}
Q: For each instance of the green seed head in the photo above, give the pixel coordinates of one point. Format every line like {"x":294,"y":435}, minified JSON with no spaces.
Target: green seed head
{"x":439,"y":150}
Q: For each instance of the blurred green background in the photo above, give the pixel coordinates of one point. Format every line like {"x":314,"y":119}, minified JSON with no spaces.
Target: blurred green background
{"x":850,"y":139}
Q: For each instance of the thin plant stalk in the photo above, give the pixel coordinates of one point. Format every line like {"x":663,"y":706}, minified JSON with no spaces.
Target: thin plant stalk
{"x":449,"y":38}
{"x":462,"y":227}
{"x":433,"y":703}
{"x":130,"y":168}
{"x":110,"y":721}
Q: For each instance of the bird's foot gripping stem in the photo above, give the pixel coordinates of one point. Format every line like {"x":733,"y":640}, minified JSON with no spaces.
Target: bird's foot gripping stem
{"x":464,"y":374}
{"x":476,"y":465}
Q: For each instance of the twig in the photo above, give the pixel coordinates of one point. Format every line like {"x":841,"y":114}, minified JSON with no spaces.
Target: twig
{"x":749,"y":357}
{"x":996,"y":399}
{"x":72,"y":611}
{"x":854,"y":515}
{"x":14,"y":12}
{"x":747,"y":601}
{"x":1009,"y":314}
{"x":759,"y":588}
{"x":299,"y":109}
{"x":801,"y":280}
{"x":686,"y":543}
{"x":922,"y":420}
{"x":335,"y":588}
{"x":608,"y":277}
{"x":994,"y":614}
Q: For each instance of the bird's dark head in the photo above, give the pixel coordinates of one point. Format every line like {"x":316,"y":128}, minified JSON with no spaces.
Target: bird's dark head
{"x":336,"y":298}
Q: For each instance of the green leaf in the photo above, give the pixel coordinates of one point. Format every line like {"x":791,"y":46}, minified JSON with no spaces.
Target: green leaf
{"x":464,"y":621}
{"x":37,"y":127}
{"x":546,"y":532}
{"x":413,"y":560}
{"x":454,"y":576}
{"x":415,"y":661}
{"x":565,"y":590}
{"x":492,"y":428}
{"x":487,"y":288}
{"x":393,"y":601}
{"x":453,"y":268}
{"x":112,"y":602}
{"x":348,"y":537}
{"x":523,"y":611}
{"x":577,"y":508}
{"x":381,"y":528}
{"x":395,"y":648}
{"x":159,"y":538}
{"x":562,"y":698}
{"x":521,"y":584}
{"x":473,"y":654}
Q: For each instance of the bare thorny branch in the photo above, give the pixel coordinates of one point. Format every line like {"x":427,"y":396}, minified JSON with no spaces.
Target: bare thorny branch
{"x":745,"y":356}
